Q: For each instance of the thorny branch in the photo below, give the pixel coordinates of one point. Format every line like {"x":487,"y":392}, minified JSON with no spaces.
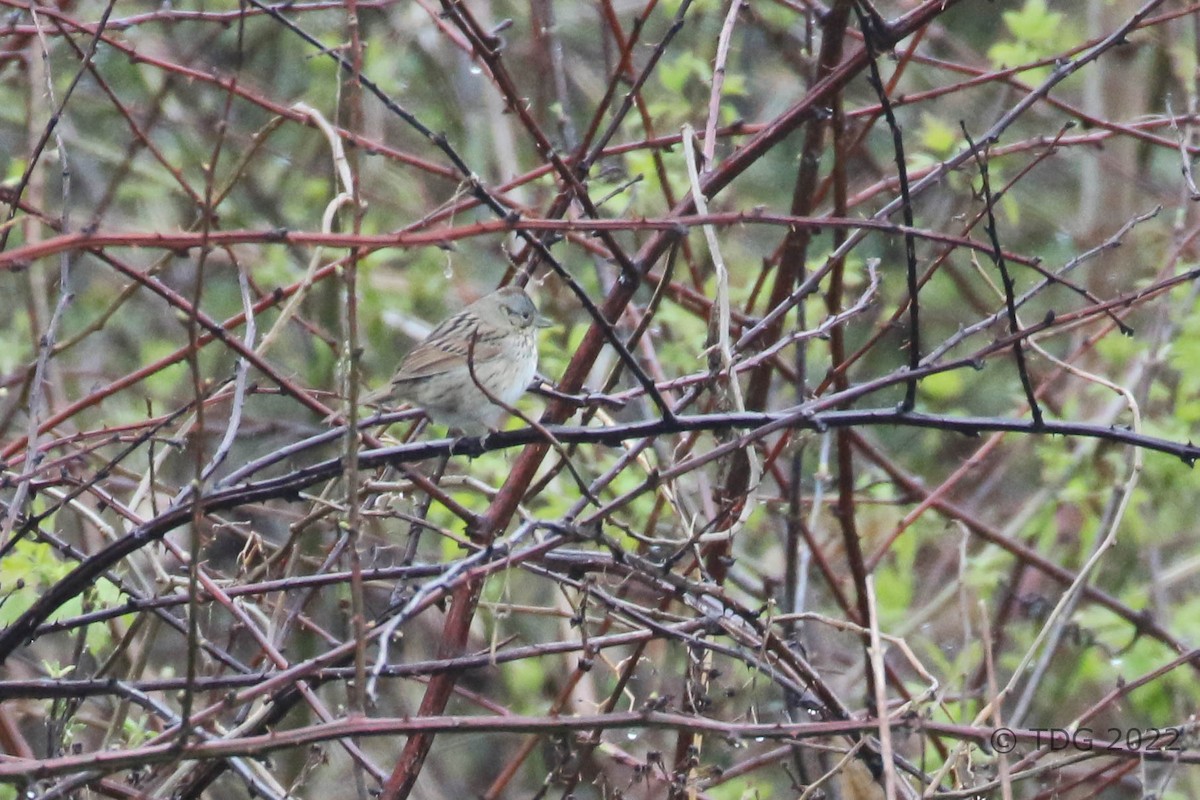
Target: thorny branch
{"x":198,"y":571}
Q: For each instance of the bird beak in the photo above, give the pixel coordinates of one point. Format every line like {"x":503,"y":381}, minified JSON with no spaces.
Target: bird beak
{"x":542,"y":322}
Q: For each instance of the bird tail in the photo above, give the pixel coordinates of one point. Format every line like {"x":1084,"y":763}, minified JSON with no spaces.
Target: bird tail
{"x":372,"y":398}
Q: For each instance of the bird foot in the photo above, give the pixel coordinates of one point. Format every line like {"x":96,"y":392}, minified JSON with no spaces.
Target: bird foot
{"x":469,"y":446}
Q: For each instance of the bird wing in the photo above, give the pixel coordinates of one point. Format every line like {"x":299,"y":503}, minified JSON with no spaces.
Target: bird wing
{"x":448,"y":348}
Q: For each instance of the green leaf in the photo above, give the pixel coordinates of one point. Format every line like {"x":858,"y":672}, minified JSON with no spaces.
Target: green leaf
{"x":674,"y":74}
{"x":937,"y":136}
{"x":1034,"y":24}
{"x":943,"y":386}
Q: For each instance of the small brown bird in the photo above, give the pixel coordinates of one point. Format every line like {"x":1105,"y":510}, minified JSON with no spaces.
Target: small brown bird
{"x":491,"y":343}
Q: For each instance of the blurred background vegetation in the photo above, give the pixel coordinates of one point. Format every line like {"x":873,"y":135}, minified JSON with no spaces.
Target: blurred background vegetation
{"x":185,"y":120}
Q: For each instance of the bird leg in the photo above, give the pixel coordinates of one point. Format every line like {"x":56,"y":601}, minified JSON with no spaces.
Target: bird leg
{"x":470,"y":446}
